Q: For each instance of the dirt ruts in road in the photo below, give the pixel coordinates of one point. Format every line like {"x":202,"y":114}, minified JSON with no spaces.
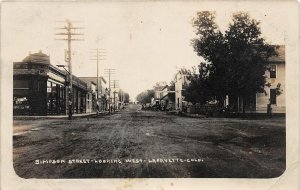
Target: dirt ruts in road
{"x":228,"y":147}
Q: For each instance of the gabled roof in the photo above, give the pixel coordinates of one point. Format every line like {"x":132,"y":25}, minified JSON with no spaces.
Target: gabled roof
{"x":158,"y":88}
{"x":165,"y":87}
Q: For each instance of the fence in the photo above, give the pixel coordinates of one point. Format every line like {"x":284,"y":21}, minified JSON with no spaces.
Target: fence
{"x":209,"y":109}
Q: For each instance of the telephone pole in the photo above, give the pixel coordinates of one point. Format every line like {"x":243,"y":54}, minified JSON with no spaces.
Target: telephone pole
{"x":69,"y":31}
{"x":109,"y":72}
{"x":98,"y":54}
{"x":115,"y":85}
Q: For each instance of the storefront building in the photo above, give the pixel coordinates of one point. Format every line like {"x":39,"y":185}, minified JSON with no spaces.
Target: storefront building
{"x":99,"y":103}
{"x":40,"y":88}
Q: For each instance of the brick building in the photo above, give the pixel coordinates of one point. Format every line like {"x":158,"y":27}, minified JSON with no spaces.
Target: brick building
{"x":40,"y":88}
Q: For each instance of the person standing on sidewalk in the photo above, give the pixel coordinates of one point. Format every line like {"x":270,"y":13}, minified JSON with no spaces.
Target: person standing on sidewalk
{"x":269,"y":109}
{"x":97,"y":108}
{"x":70,"y":110}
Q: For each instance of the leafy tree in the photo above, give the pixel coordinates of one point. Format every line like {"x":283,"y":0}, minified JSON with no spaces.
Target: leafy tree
{"x":197,"y":91}
{"x":248,"y":57}
{"x":145,"y":97}
{"x":212,"y":46}
{"x":120,"y":94}
{"x":236,"y":61}
{"x":123,"y":96}
{"x":126,"y":97}
{"x":160,"y":84}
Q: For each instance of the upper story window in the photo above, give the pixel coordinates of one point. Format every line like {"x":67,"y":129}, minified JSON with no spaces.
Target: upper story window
{"x":272,"y":71}
{"x":24,"y":66}
{"x":17,"y":66}
{"x":21,"y":66}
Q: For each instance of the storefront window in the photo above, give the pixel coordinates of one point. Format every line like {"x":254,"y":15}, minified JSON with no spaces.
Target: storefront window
{"x":74,"y":98}
{"x":79,"y":102}
{"x":83,"y":105}
{"x":54,"y":101}
{"x":62,"y":99}
{"x":49,"y":95}
{"x":56,"y":98}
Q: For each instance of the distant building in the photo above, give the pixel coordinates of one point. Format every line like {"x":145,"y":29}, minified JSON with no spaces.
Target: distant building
{"x":90,"y":96}
{"x":102,"y":101}
{"x":40,"y":88}
{"x":158,"y":93}
{"x":167,"y":99}
{"x":180,"y":82}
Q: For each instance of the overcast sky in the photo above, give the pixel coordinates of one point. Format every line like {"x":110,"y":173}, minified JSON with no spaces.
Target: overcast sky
{"x":146,"y":41}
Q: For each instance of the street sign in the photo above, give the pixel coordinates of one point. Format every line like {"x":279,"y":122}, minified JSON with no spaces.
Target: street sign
{"x":67,"y":59}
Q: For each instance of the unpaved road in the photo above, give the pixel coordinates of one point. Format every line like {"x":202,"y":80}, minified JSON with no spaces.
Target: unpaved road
{"x":156,"y":144}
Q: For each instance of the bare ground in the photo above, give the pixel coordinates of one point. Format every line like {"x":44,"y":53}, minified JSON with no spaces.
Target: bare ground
{"x":227,"y":147}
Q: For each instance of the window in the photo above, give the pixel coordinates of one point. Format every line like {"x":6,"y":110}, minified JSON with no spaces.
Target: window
{"x":273,"y":71}
{"x":273,"y":96}
{"x":24,"y":66}
{"x":54,"y":97}
{"x":49,"y":95}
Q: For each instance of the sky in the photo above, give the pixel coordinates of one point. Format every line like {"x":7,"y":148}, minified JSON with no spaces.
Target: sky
{"x":146,"y":42}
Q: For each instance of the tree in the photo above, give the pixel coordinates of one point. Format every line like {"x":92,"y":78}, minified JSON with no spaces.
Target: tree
{"x":197,"y":91}
{"x":237,"y":59}
{"x":120,"y":94}
{"x":248,"y":57}
{"x":160,"y":84}
{"x":145,"y":97}
{"x":212,"y":46}
{"x":124,"y":96}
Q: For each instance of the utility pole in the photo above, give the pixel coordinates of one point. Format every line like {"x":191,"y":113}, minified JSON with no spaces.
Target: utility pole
{"x":116,"y":85}
{"x":97,"y":55}
{"x":109,"y":72}
{"x":69,"y":32}
{"x":114,"y":96}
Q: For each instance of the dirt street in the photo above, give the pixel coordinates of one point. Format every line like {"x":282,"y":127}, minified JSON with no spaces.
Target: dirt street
{"x":135,"y":143}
